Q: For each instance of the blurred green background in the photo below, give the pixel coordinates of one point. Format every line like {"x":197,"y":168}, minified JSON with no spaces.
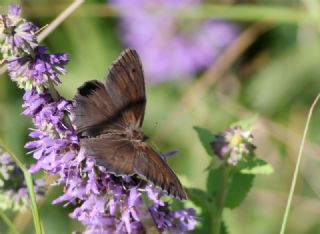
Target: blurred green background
{"x":274,"y":72}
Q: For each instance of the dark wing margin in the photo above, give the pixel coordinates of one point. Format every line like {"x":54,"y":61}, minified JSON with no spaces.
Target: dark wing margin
{"x":125,"y":85}
{"x":151,"y":165}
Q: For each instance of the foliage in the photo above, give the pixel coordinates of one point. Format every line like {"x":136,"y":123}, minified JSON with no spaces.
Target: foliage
{"x":229,"y":183}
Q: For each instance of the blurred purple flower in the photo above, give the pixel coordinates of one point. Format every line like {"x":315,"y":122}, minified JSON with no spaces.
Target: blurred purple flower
{"x":13,"y":190}
{"x":233,"y":144}
{"x":16,"y":34}
{"x":171,"y":47}
{"x":104,"y":203}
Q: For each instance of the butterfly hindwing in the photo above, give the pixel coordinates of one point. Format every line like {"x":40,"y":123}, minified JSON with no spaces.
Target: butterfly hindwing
{"x":115,"y":153}
{"x":153,"y":166}
{"x":123,"y":157}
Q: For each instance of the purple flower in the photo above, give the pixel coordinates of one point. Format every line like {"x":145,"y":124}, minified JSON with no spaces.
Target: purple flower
{"x":37,"y":69}
{"x":171,"y":47}
{"x":105,"y":203}
{"x":13,"y":190}
{"x":16,"y":34}
{"x":233,"y":144}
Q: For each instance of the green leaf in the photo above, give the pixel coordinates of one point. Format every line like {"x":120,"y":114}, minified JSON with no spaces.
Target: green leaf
{"x":202,"y":199}
{"x":238,"y":189}
{"x":205,"y":137}
{"x":214,"y":181}
{"x":246,"y":122}
{"x":256,"y":166}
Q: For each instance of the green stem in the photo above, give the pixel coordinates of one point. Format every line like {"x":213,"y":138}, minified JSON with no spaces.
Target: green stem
{"x":12,"y":154}
{"x":217,"y":221}
{"x":11,"y":226}
{"x":29,"y":182}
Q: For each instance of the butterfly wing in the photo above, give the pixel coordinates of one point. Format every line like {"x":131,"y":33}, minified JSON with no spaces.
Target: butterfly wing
{"x":123,"y":157}
{"x":115,"y":153}
{"x":94,"y":111}
{"x":152,"y":165}
{"x":125,"y":84}
{"x":115,"y":106}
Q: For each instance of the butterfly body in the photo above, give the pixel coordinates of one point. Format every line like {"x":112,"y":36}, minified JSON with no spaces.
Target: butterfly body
{"x":136,"y":135}
{"x":108,"y":118}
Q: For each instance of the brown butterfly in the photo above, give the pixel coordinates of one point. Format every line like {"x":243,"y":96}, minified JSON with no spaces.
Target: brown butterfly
{"x":108,"y":117}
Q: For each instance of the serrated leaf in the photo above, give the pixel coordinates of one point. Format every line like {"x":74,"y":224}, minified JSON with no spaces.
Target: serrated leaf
{"x":246,"y":122}
{"x":238,"y":189}
{"x":205,"y":137}
{"x":214,"y":181}
{"x":256,"y":166}
{"x":202,"y":199}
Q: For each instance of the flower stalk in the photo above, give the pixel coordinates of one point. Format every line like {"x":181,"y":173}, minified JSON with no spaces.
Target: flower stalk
{"x":220,"y":199}
{"x":6,"y":219}
{"x":30,"y":187}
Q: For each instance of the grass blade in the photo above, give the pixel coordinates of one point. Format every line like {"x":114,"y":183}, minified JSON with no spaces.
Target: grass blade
{"x":29,"y":182}
{"x":34,"y":206}
{"x":296,"y":171}
{"x":11,"y":226}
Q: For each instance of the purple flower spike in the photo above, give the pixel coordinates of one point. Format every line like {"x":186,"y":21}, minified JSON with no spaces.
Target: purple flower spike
{"x":16,"y":34}
{"x":106,"y":204}
{"x":171,"y":47}
{"x":36,"y":70}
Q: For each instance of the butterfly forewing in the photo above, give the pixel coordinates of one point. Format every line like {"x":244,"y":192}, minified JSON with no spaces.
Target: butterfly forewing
{"x":125,"y":84}
{"x":94,"y":110}
{"x":118,"y":104}
{"x":108,"y":117}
